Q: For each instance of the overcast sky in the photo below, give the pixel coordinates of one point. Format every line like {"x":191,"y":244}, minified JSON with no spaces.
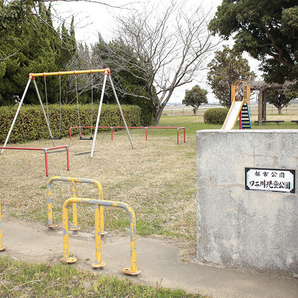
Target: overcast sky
{"x":91,"y":18}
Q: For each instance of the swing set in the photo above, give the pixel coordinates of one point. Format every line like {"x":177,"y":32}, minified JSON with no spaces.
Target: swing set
{"x":32,"y":77}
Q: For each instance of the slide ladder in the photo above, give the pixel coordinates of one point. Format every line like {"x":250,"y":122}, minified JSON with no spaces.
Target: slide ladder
{"x":245,"y":117}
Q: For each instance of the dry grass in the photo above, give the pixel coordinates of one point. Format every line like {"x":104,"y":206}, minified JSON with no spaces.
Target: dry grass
{"x":157,"y":179}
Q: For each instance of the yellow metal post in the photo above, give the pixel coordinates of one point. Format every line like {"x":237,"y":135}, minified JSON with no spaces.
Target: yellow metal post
{"x":74,"y":182}
{"x":133,"y":245}
{"x":2,"y":247}
{"x":66,"y":258}
{"x":74,"y":206}
{"x":246,"y":93}
{"x":98,"y":255}
{"x":232,"y":94}
{"x":50,"y":207}
{"x":132,"y":270}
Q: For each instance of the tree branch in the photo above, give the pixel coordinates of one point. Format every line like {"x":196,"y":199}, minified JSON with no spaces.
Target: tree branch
{"x":279,"y":56}
{"x":3,"y":59}
{"x":124,"y":6}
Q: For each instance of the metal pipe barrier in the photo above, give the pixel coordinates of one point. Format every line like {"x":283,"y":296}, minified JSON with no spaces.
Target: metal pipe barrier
{"x":60,"y":73}
{"x":99,"y":264}
{"x":2,"y":247}
{"x":74,"y":182}
{"x":45,"y":150}
{"x":130,"y":127}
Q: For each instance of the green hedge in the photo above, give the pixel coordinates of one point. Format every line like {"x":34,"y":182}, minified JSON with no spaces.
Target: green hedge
{"x":31,"y":124}
{"x":216,"y":115}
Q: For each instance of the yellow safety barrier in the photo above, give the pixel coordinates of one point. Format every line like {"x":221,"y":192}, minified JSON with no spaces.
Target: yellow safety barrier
{"x":99,"y":264}
{"x":74,"y":182}
{"x":2,"y":247}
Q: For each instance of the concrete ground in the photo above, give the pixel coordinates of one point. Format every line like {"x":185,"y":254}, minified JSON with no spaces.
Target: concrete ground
{"x":157,"y":259}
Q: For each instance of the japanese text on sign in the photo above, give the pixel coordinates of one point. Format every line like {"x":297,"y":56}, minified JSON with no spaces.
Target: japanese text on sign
{"x":270,"y":180}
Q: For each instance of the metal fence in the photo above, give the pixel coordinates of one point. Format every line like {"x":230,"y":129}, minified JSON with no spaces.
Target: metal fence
{"x":291,"y":109}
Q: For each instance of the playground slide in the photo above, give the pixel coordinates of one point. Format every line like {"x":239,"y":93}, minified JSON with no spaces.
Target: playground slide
{"x":233,"y":115}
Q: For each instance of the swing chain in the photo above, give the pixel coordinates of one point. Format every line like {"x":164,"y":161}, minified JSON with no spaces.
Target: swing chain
{"x":47,"y":105}
{"x":78,"y":105}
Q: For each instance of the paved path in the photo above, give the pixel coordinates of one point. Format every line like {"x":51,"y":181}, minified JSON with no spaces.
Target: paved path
{"x":157,"y":259}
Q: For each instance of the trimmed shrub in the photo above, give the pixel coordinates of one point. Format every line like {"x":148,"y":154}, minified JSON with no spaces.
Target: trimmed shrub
{"x":216,"y":115}
{"x":31,"y":124}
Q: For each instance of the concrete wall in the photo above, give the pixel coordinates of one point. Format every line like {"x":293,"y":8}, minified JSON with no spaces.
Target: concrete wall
{"x":239,"y":227}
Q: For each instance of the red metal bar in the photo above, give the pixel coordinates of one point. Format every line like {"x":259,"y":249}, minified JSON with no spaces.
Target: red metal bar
{"x":58,"y":147}
{"x":22,"y":148}
{"x":162,"y":127}
{"x":67,"y":158}
{"x":53,"y":148}
{"x":45,"y":152}
{"x":136,"y":127}
{"x":178,"y":133}
{"x":166,"y":127}
{"x":46,"y":161}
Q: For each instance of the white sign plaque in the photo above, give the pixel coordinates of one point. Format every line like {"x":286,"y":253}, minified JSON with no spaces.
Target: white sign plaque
{"x":270,"y":180}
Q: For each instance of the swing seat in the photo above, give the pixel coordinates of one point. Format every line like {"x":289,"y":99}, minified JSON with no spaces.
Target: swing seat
{"x":56,"y":138}
{"x":86,"y":139}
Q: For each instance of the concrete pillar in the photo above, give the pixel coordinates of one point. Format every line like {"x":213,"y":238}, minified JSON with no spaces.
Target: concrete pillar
{"x":239,"y":227}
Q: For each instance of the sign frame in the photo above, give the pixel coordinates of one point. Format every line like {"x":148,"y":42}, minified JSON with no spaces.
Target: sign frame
{"x":272,"y":180}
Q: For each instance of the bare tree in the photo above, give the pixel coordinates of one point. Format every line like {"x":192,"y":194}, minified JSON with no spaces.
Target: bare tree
{"x":169,"y":46}
{"x":121,"y":6}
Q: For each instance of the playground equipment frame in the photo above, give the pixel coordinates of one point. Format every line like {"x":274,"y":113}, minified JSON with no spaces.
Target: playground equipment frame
{"x":32,"y":76}
{"x":45,"y":150}
{"x":97,"y":203}
{"x":146,"y":128}
{"x":236,"y":104}
{"x":74,"y":182}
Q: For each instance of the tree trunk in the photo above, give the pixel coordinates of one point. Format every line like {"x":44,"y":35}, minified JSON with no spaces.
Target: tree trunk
{"x":157,"y":116}
{"x":264,"y":111}
{"x":279,"y":110}
{"x":159,"y":109}
{"x":260,"y":107}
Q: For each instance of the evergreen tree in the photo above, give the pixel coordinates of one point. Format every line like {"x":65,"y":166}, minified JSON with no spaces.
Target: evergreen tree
{"x":225,"y":69}
{"x":281,"y":98}
{"x":195,"y":97}
{"x":267,"y":30}
{"x":30,"y":47}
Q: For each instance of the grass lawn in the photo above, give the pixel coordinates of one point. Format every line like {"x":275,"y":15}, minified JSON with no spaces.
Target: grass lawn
{"x":21,"y":279}
{"x":157,"y":179}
